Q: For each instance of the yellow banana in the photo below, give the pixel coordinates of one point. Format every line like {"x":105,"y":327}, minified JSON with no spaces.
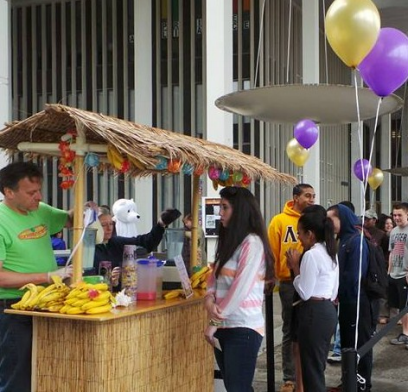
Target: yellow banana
{"x":79,"y":302}
{"x":46,"y":290}
{"x":173,"y":294}
{"x":54,"y":308}
{"x":100,"y":309}
{"x":102,"y":296}
{"x":95,"y":304}
{"x":32,"y":300}
{"x":203,"y":285}
{"x":70,"y":301}
{"x":195,"y":283}
{"x":73,"y":310}
{"x":51,"y":296}
{"x":65,"y":308}
{"x":83,"y":295}
{"x":74,"y":293}
{"x":58,"y":296}
{"x":97,"y":286}
{"x":23,"y":299}
{"x":203,"y":277}
{"x":57,"y":280}
{"x":197,"y":274}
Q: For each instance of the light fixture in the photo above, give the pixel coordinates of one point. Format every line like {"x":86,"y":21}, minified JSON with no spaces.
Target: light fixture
{"x":322,"y":103}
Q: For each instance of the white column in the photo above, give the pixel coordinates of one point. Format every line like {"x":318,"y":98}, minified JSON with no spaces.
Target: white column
{"x":143,"y":102}
{"x":218,"y":81}
{"x":310,"y":57}
{"x":5,"y":86}
{"x":218,"y":69}
{"x":385,"y":151}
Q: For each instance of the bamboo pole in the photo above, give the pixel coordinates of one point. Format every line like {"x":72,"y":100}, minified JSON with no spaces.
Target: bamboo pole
{"x":194,"y":227}
{"x":78,"y":225}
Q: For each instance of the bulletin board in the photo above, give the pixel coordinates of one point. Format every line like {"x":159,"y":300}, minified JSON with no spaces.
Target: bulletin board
{"x":211,"y":216}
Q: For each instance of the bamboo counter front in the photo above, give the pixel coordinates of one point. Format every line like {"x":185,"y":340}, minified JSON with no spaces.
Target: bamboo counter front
{"x":154,"y":346}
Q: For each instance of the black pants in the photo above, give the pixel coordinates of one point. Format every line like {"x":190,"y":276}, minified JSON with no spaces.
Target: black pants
{"x":15,"y":352}
{"x":347,"y":320}
{"x":317,"y":323}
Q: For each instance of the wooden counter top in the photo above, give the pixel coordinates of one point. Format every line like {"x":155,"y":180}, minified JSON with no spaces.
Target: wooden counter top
{"x":140,"y":307}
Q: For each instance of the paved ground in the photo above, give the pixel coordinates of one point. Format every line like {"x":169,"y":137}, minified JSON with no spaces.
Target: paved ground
{"x":390,"y":373}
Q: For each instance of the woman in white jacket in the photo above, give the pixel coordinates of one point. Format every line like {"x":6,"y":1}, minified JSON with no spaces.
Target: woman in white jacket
{"x":316,"y":281}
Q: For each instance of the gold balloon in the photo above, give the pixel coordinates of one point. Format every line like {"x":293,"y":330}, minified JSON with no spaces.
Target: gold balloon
{"x":296,"y":153}
{"x":376,"y":178}
{"x":352,"y":29}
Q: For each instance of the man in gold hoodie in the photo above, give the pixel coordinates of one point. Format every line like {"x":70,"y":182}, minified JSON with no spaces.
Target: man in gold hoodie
{"x":282,"y":233}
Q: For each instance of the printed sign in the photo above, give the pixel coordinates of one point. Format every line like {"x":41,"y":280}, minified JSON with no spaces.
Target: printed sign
{"x":185,"y":280}
{"x":211,"y":216}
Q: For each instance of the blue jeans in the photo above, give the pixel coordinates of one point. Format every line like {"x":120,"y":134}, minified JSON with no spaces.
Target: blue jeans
{"x":337,"y":342}
{"x":15,"y":352}
{"x":237,"y":360}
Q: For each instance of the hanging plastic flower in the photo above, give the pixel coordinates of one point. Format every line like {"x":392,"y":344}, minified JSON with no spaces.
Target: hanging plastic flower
{"x":224,"y":175}
{"x":188,"y":169}
{"x":174,"y":166}
{"x":246,"y":180}
{"x":162,"y":163}
{"x":91,"y":159}
{"x":237,"y":176}
{"x":125,"y":166}
{"x":66,"y":160}
{"x":213,"y":173}
{"x":199,"y":170}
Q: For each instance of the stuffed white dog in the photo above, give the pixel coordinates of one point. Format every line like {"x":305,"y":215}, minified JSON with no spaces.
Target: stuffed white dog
{"x":125,"y":215}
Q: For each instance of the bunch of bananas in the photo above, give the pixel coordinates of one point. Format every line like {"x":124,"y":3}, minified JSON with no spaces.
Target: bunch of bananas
{"x":89,"y":299}
{"x":199,"y":278}
{"x":49,"y":298}
{"x":198,"y":282}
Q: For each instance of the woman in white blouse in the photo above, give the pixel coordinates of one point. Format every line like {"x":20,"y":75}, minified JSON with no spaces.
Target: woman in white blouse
{"x":316,"y":281}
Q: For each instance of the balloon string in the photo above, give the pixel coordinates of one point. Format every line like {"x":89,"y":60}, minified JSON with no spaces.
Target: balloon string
{"x":363,"y":207}
{"x":325,"y":43}
{"x":373,"y":139}
{"x":289,"y":35}
{"x":259,"y":43}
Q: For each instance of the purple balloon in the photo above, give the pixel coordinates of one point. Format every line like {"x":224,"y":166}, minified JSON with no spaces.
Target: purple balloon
{"x":385,"y":68}
{"x":306,"y":133}
{"x":362,"y":169}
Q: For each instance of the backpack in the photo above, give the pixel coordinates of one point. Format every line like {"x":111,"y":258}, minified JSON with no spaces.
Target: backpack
{"x":376,"y":281}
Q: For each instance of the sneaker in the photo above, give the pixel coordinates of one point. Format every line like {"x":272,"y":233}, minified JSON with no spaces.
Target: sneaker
{"x":288,"y":386}
{"x":334,"y":358}
{"x":400,"y":339}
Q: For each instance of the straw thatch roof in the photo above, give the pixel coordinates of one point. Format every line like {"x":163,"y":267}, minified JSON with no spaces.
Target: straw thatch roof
{"x":136,"y":141}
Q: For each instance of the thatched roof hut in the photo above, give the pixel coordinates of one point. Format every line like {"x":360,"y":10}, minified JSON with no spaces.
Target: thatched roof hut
{"x":142,"y":143}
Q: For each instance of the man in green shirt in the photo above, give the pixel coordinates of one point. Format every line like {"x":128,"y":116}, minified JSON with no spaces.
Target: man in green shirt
{"x":26,"y":256}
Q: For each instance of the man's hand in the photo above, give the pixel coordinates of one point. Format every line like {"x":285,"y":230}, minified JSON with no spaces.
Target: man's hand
{"x":63,"y":273}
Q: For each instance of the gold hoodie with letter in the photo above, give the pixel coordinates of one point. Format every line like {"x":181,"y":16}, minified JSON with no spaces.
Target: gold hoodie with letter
{"x":282,"y":234}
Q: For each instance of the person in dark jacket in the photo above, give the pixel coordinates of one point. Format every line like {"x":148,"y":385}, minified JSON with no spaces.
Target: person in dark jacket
{"x":350,"y":291}
{"x":112,"y":247}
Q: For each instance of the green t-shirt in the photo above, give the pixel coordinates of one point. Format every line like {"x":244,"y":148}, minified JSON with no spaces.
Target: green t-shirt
{"x":25,"y":244}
